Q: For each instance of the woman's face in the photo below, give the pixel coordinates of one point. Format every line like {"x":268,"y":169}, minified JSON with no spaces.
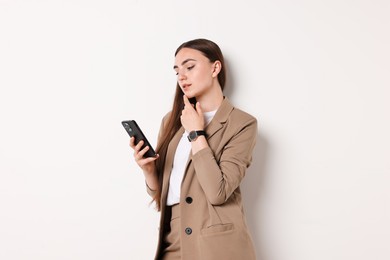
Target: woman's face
{"x":194,"y":72}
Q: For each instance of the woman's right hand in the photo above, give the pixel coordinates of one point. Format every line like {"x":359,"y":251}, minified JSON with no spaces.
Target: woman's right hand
{"x":148,"y":165}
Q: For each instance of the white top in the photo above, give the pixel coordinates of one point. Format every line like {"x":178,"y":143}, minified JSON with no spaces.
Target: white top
{"x":180,"y":160}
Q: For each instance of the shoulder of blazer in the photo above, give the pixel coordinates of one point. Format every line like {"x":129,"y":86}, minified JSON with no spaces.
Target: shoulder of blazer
{"x":166,"y":117}
{"x":164,"y":122}
{"x":229,"y":117}
{"x":228,"y":112}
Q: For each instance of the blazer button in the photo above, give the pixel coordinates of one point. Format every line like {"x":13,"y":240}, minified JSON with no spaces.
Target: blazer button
{"x":189,"y":200}
{"x":188,"y":231}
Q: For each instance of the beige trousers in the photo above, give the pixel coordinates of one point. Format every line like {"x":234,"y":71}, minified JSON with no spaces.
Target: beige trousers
{"x":172,"y":237}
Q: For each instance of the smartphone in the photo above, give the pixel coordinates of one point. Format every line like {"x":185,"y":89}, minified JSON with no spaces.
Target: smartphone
{"x":133,"y":129}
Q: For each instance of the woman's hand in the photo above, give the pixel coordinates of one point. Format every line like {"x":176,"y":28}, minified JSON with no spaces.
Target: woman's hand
{"x":148,"y":164}
{"x":191,"y":119}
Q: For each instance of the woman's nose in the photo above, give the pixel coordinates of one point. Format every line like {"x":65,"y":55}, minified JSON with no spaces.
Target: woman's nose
{"x":181,"y":76}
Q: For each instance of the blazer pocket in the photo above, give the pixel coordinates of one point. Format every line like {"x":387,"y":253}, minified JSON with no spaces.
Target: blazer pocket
{"x":225,"y":242}
{"x":217,"y":229}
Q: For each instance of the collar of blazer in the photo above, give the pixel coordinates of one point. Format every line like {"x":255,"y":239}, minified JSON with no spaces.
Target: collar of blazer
{"x":220,"y":117}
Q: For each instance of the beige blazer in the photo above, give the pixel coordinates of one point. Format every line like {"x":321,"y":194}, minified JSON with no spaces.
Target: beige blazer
{"x":212,"y":218}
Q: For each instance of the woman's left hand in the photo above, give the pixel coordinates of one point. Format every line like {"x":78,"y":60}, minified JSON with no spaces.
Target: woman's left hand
{"x":191,"y":118}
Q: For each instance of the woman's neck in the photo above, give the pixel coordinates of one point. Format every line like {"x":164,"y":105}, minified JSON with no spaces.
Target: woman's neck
{"x":211,"y":101}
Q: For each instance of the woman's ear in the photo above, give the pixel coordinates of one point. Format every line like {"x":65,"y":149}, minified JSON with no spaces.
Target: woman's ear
{"x":217,"y":66}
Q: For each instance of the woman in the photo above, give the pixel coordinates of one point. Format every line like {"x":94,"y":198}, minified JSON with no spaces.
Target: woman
{"x":205,"y":146}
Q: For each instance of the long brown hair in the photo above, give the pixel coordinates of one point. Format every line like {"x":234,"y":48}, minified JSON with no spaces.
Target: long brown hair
{"x":212,"y":51}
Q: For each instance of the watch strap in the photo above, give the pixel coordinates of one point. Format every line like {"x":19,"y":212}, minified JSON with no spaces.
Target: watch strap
{"x":193,"y":135}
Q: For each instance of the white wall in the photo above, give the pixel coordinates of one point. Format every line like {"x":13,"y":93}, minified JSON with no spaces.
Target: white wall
{"x":314,"y":73}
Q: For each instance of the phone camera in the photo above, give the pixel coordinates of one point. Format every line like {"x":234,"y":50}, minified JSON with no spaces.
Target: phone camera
{"x":127,"y":127}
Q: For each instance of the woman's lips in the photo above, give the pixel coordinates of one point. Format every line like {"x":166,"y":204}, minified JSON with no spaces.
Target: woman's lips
{"x":186,"y":86}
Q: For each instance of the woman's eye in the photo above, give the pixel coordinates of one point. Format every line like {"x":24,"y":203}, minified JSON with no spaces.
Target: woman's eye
{"x":191,"y":67}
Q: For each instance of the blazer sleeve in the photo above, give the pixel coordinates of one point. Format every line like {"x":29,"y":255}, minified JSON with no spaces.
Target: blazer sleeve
{"x":219,"y":179}
{"x":151,"y":192}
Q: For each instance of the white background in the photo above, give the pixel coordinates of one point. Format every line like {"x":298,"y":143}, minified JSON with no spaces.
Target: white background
{"x":314,"y":73}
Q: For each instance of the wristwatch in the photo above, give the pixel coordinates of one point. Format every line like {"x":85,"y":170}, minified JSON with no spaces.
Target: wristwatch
{"x":193,"y":135}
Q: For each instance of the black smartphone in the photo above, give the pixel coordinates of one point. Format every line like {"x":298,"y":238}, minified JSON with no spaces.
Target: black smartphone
{"x":133,"y":129}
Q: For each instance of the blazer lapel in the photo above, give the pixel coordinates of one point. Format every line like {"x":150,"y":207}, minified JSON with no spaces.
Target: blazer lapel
{"x":215,"y":125}
{"x":220,"y":118}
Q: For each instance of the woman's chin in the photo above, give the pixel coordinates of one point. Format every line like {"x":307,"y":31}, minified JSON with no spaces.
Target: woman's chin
{"x":189,"y":95}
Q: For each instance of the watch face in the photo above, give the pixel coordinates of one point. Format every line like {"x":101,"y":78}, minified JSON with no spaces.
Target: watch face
{"x":193,"y":135}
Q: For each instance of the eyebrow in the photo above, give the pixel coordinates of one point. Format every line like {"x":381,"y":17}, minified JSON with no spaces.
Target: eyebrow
{"x":184,"y":62}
